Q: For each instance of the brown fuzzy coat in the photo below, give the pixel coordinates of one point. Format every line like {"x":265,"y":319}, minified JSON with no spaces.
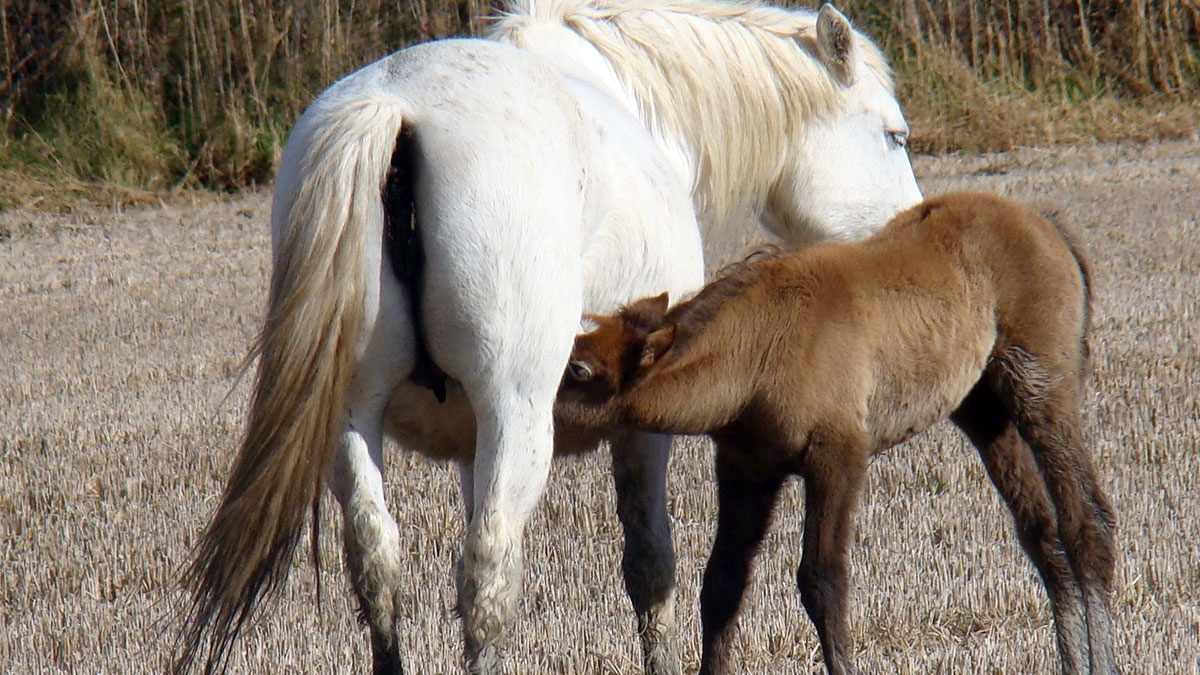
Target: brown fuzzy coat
{"x":967,"y":306}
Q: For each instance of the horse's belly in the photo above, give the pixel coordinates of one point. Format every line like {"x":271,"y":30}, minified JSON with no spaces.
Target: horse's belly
{"x":446,"y":430}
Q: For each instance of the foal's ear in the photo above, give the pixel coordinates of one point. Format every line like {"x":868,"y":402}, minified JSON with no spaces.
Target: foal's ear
{"x":835,"y":43}
{"x":657,"y":344}
{"x":647,"y":313}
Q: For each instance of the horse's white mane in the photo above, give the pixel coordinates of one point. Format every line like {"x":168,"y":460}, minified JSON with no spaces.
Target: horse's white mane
{"x":730,"y":83}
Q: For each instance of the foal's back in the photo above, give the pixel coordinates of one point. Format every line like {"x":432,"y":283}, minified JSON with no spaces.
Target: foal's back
{"x":1027,"y":271}
{"x":896,"y":330}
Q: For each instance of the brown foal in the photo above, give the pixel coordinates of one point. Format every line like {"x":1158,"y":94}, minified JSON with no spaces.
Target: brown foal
{"x":967,"y":306}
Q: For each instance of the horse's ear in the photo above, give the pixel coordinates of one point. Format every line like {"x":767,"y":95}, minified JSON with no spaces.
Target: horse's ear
{"x":835,"y":43}
{"x":657,"y":344}
{"x":647,"y":313}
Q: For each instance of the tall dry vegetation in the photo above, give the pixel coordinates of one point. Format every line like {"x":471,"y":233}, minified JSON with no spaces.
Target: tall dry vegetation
{"x":156,"y":93}
{"x":202,"y":92}
{"x":983,"y":75}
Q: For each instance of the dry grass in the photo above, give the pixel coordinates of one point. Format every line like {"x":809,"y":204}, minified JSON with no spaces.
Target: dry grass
{"x":122,"y":333}
{"x":153,"y":95}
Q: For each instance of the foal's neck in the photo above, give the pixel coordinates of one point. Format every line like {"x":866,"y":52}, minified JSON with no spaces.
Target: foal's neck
{"x":704,"y":381}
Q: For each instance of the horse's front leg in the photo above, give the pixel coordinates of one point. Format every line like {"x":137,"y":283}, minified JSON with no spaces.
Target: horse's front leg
{"x":639,"y":468}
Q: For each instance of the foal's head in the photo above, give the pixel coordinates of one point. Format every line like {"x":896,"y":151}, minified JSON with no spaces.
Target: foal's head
{"x":608,"y":359}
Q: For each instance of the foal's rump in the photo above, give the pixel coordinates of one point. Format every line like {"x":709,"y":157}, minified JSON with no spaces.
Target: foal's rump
{"x":1036,"y":265}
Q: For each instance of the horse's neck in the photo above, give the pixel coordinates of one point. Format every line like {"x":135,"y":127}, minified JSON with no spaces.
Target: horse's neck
{"x":729,"y":165}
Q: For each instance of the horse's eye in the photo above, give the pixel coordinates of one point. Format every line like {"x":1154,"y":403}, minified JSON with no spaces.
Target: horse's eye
{"x":579,"y":371}
{"x":897,"y":139}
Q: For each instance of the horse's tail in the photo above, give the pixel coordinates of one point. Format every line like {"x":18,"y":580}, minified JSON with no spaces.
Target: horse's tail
{"x":328,"y":210}
{"x":1078,"y":251}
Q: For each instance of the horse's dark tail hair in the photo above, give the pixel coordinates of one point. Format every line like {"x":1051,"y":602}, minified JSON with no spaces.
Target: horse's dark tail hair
{"x":402,"y":239}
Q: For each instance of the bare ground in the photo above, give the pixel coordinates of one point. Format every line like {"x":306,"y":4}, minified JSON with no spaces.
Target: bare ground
{"x":122,"y":332}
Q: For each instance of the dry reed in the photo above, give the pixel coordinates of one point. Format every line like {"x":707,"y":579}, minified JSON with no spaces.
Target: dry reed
{"x":203,"y":92}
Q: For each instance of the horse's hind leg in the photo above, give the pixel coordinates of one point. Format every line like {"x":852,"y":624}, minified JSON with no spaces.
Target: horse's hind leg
{"x":640,"y":474}
{"x":512,"y":462}
{"x":745,"y":502}
{"x":370,"y":536}
{"x":502,"y":325}
{"x":1010,"y":465}
{"x":1045,"y":395}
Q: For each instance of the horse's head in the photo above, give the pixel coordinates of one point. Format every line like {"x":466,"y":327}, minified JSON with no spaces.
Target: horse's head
{"x":607,"y":359}
{"x":849,"y":172}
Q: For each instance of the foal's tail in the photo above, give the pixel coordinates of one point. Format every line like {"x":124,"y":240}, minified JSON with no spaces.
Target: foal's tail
{"x":1078,"y":251}
{"x":328,"y":210}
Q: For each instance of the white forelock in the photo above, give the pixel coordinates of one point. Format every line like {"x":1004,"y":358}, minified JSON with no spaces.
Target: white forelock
{"x":730,"y":84}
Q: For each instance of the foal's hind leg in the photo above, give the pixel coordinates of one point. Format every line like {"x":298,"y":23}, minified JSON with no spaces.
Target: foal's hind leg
{"x":640,"y":476}
{"x":1015,"y":474}
{"x":832,"y":479}
{"x":1045,"y":394}
{"x":745,"y":502}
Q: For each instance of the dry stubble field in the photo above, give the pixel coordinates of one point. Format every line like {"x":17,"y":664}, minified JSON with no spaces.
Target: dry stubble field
{"x":122,"y":332}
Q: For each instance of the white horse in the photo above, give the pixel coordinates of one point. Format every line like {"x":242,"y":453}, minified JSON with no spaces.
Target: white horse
{"x":442,"y":218}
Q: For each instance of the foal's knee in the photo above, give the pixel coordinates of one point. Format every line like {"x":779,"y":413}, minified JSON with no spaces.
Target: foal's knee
{"x":822,"y":589}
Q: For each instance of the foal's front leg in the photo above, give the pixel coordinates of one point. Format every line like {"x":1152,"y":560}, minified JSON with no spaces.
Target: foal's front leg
{"x":832,"y":479}
{"x":745,"y":503}
{"x":640,"y":475}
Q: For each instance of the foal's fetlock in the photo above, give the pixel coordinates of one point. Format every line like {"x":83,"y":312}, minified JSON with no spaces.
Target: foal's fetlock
{"x":657,"y":630}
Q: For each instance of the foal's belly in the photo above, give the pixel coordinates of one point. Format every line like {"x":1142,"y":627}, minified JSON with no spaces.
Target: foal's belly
{"x":910,"y":400}
{"x":417,"y":421}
